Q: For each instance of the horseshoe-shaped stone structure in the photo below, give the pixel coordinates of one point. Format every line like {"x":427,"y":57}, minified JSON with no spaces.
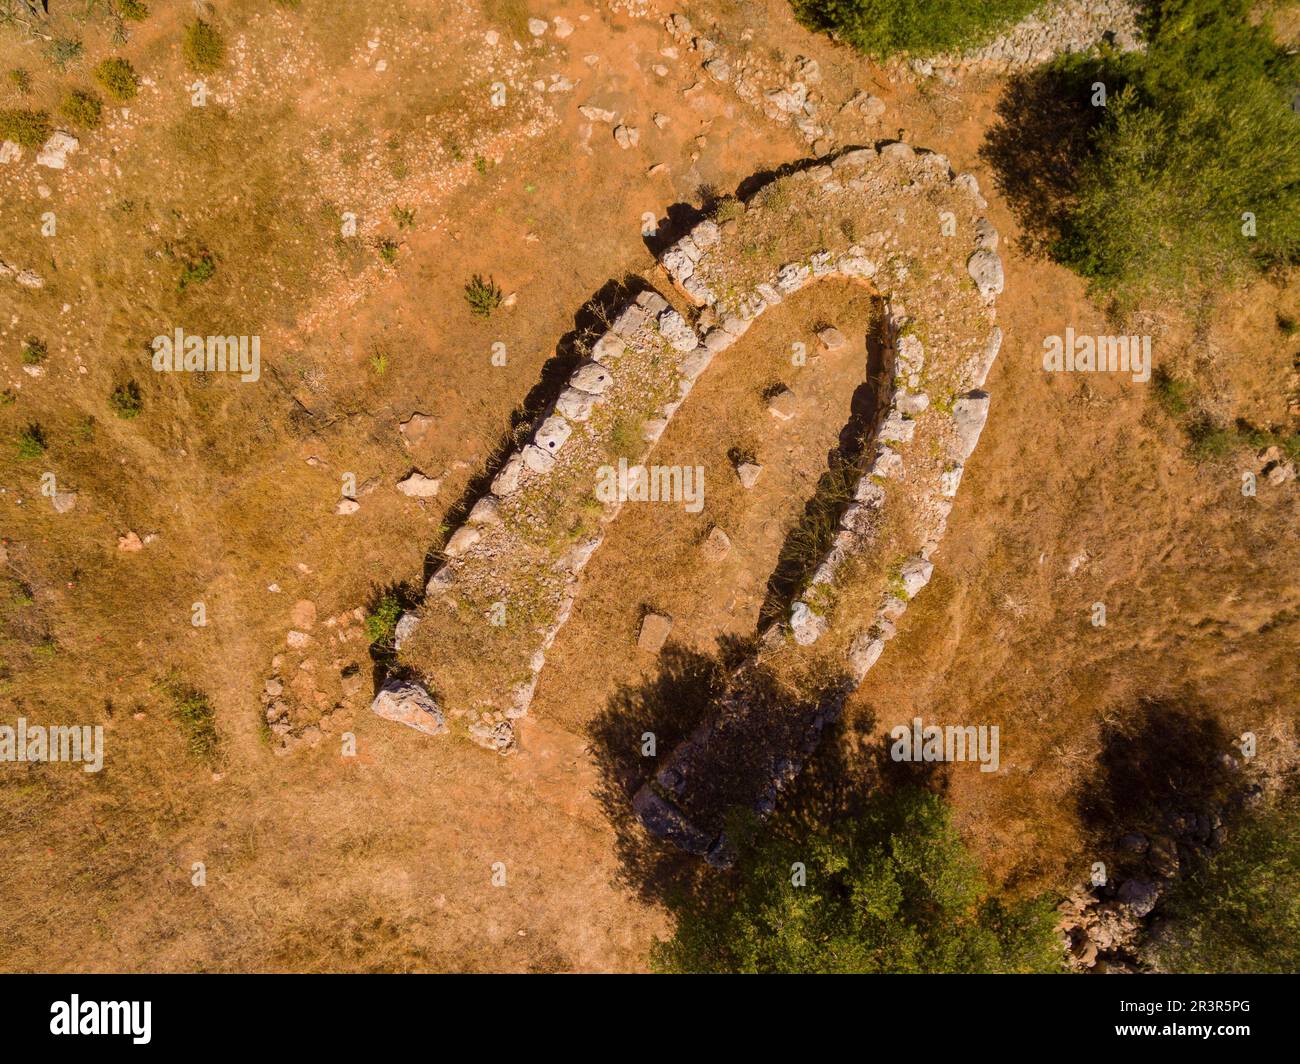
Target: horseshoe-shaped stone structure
{"x":896,"y":220}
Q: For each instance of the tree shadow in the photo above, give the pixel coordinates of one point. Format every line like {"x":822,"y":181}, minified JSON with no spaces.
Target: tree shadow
{"x":1161,"y":767}
{"x":1043,"y":133}
{"x":843,"y":770}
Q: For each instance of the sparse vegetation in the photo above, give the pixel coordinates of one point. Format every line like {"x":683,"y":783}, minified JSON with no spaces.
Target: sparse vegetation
{"x":192,"y":710}
{"x":126,"y":400}
{"x":34,"y":351}
{"x":885,"y":27}
{"x":31,"y":442}
{"x":388,"y":249}
{"x":20,"y":81}
{"x":404,"y":217}
{"x":118,"y":78}
{"x":204,"y":47}
{"x":28,"y":128}
{"x":482,"y":296}
{"x":197,"y":270}
{"x":133,"y":10}
{"x":64,"y":50}
{"x":83,"y":109}
{"x":381,"y":622}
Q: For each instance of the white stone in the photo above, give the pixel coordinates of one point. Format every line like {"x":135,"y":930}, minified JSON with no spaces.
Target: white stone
{"x":915,"y":575}
{"x":552,"y":434}
{"x":506,"y":482}
{"x":863,"y":654}
{"x":461,"y":541}
{"x":57,"y":149}
{"x":805,"y":625}
{"x":537,"y":459}
{"x":592,"y":377}
{"x":418,"y":486}
{"x":575,"y":404}
{"x":410,"y":704}
{"x":985,"y":269}
{"x":969,"y":414}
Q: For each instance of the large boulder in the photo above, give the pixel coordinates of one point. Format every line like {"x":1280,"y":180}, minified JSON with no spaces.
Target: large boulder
{"x":410,"y":704}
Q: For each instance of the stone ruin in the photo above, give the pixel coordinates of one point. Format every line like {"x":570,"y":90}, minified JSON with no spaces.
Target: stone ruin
{"x":895,"y":220}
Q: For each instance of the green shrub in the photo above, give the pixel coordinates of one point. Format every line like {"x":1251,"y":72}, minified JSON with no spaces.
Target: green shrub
{"x":889,"y":889}
{"x":31,"y":442}
{"x":118,"y":78}
{"x":482,"y":296}
{"x":381,"y":622}
{"x":197,"y":270}
{"x":31,"y":129}
{"x":388,"y":249}
{"x":34,"y":351}
{"x":134,"y":10}
{"x":83,"y":109}
{"x":1198,"y":149}
{"x":126,"y":401}
{"x":884,"y":27}
{"x":1174,"y":396}
{"x":63,"y":50}
{"x":1239,"y":911}
{"x":204,"y":47}
{"x":1210,"y":441}
{"x":191,"y":710}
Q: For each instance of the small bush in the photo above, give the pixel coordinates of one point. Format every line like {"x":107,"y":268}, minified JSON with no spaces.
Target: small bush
{"x":404,"y":217}
{"x":1210,"y":442}
{"x":31,"y":442}
{"x":34,"y":351}
{"x":64,"y":50}
{"x":133,"y":10}
{"x":1287,"y":325}
{"x":204,"y":47}
{"x":126,"y":401}
{"x":482,"y":296}
{"x":381,"y":622}
{"x":83,"y":109}
{"x":1174,"y":396}
{"x":31,"y":129}
{"x":197,"y":271}
{"x":8,"y":397}
{"x":118,"y":78}
{"x":191,"y":709}
{"x":882,"y":28}
{"x":20,"y":81}
{"x":388,"y":250}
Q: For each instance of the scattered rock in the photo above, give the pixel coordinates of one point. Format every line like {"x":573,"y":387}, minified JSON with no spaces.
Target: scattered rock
{"x":129,"y":543}
{"x":831,"y":338}
{"x":303,"y":614}
{"x":654,"y":632}
{"x":344,"y":507}
{"x":64,"y":501}
{"x":418,"y":486}
{"x":781,"y":404}
{"x":54,"y":154}
{"x":417,"y":430}
{"x":716,"y":546}
{"x":747,"y":473}
{"x":627,"y":136}
{"x":410,"y":704}
{"x":537,"y":26}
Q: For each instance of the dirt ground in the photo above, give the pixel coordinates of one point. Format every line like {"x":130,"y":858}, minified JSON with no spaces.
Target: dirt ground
{"x":427,"y":853}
